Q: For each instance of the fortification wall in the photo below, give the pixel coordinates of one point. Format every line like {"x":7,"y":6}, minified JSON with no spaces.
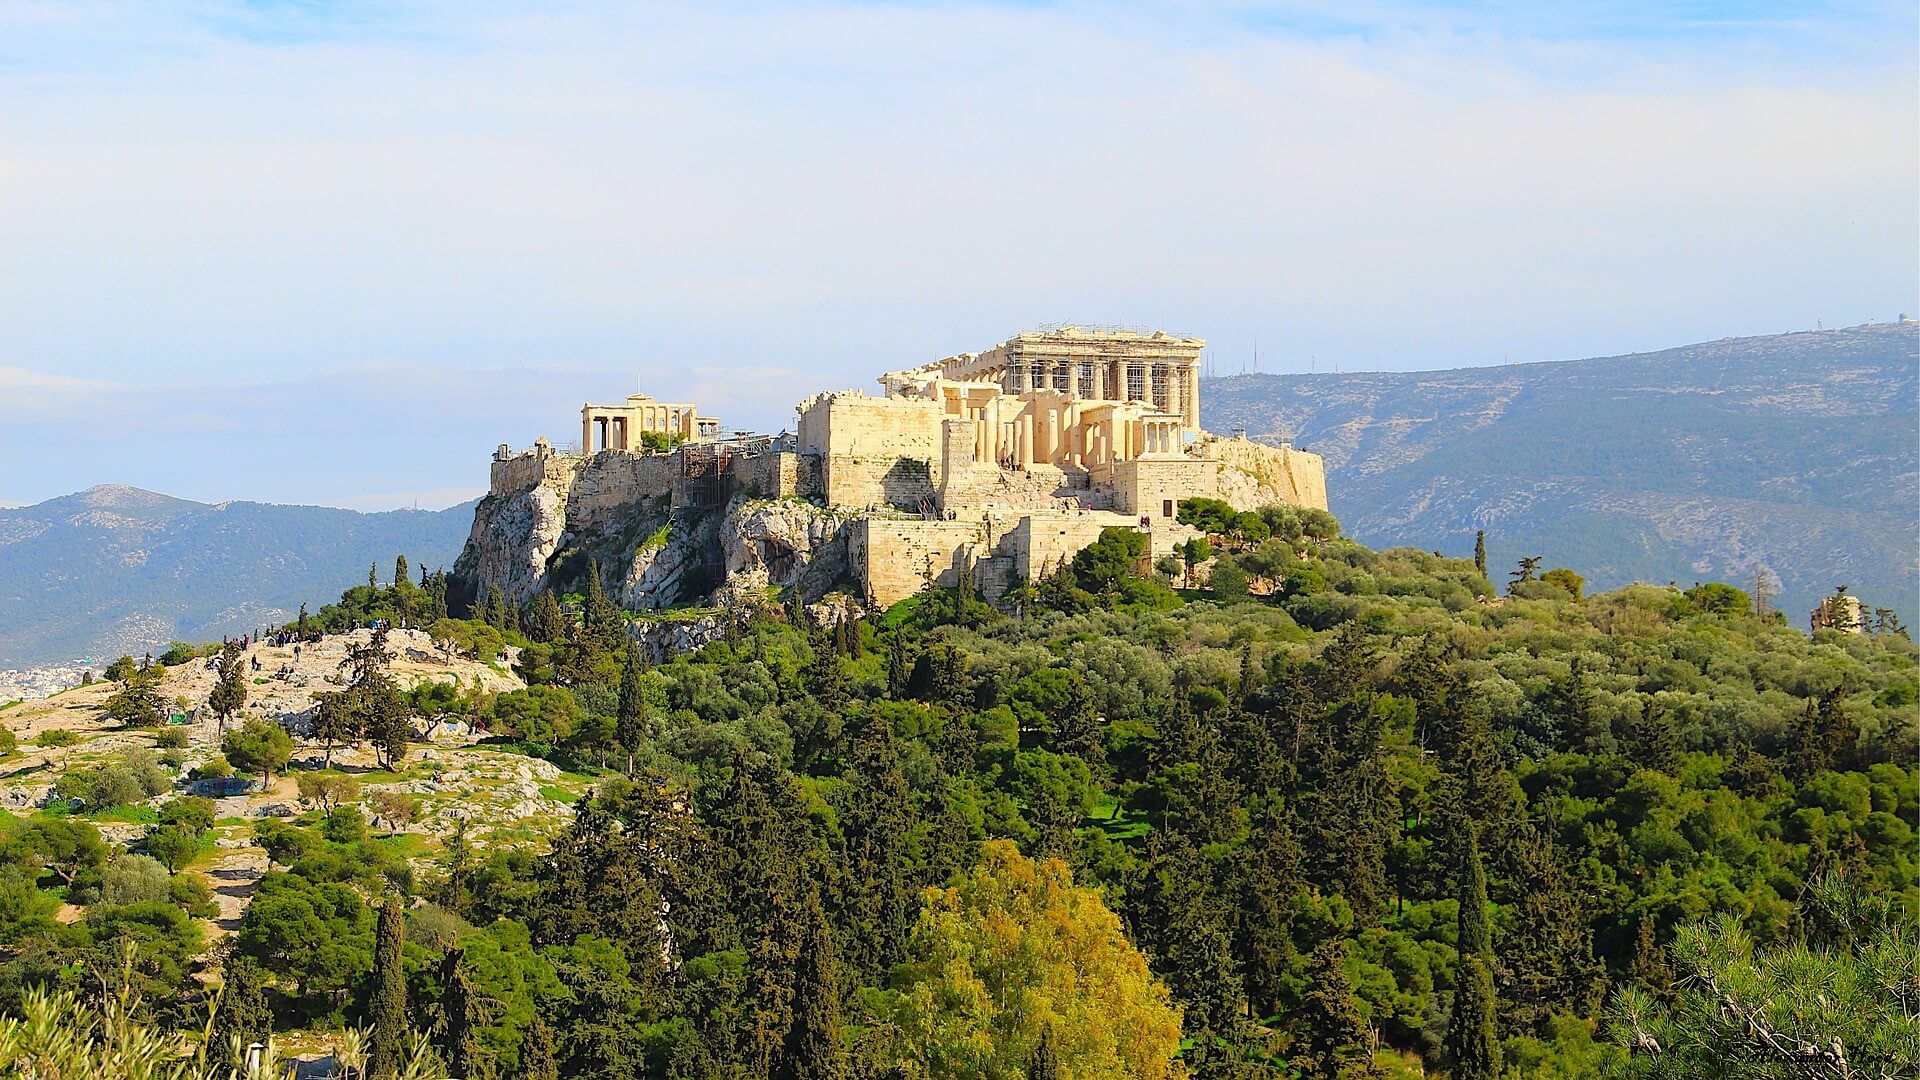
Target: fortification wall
{"x":512,"y":475}
{"x":769,"y":475}
{"x":1254,"y":474}
{"x":895,"y":556}
{"x":1153,"y":487}
{"x":884,"y":481}
{"x":613,"y":485}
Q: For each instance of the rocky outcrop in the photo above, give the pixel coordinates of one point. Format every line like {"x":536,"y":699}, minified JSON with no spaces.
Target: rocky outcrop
{"x":673,"y":565}
{"x":785,"y":544}
{"x":513,"y":539}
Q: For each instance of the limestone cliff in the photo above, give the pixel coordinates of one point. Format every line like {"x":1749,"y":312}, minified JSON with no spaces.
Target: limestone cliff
{"x":546,"y":522}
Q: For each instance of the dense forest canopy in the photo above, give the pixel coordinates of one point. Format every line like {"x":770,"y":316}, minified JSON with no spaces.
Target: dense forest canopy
{"x":1341,"y":812}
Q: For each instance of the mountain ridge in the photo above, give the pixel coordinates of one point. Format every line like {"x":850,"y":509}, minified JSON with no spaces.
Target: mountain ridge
{"x":1789,"y":452}
{"x":116,"y":568}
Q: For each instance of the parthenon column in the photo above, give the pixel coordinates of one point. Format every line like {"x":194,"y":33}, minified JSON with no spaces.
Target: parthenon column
{"x":1192,"y":412}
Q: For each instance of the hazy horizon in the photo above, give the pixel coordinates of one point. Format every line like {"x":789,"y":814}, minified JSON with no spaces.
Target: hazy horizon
{"x":318,"y":254}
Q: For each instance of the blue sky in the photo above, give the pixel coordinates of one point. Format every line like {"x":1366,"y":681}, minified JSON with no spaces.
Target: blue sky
{"x":335,"y":252}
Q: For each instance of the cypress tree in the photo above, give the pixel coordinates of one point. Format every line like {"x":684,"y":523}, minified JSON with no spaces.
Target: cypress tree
{"x":462,"y":1012}
{"x":373,"y":581}
{"x":437,"y":593}
{"x":1472,"y":1046}
{"x":493,"y":610}
{"x":548,"y":624}
{"x":1045,"y":1063}
{"x":813,"y":1049}
{"x":878,"y":891}
{"x":401,"y":576}
{"x":243,"y":1010}
{"x":537,"y":1058}
{"x":300,"y":624}
{"x":1076,"y":730}
{"x":951,"y":687}
{"x":826,"y":680}
{"x":601,"y":616}
{"x":630,"y":720}
{"x":1480,"y":551}
{"x":230,"y":692}
{"x":1548,"y":963}
{"x":899,"y":665}
{"x":1335,"y":1036}
{"x":388,"y":1005}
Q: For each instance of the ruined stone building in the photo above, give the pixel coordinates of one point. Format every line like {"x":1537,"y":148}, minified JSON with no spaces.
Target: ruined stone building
{"x":1841,"y":611}
{"x":999,"y":464}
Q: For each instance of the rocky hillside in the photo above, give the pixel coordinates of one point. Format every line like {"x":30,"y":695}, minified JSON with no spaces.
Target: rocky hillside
{"x":117,"y":569}
{"x":1795,"y":453}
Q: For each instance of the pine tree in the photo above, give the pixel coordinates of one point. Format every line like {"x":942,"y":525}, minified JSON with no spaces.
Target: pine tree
{"x":1480,"y":551}
{"x":1472,"y":1046}
{"x":1334,"y":1034}
{"x":387,"y":1007}
{"x":813,"y":1049}
{"x":461,"y":1010}
{"x":242,"y":1010}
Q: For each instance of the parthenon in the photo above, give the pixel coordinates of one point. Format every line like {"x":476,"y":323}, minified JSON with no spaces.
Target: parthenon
{"x":619,"y":427}
{"x":1105,"y":365}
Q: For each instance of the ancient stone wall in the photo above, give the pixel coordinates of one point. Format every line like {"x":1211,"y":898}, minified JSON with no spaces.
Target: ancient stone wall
{"x":611,"y":486}
{"x":1254,"y":474}
{"x":1153,"y":487}
{"x":512,"y":474}
{"x":896,"y":556}
{"x":768,"y":475}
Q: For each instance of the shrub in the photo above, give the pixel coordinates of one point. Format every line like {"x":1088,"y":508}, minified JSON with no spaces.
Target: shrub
{"x":171,"y":738}
{"x":214,"y":768}
{"x":134,"y":778}
{"x":135,"y":879}
{"x":53,"y":737}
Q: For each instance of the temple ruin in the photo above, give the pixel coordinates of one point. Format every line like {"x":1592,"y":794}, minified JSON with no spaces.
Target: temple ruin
{"x":620,"y":427}
{"x":998,"y":464}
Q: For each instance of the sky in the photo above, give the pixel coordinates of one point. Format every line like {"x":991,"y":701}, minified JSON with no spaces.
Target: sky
{"x":336,"y":252}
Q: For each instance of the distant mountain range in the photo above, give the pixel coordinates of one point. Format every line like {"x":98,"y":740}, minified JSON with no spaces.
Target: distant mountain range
{"x":116,"y":569}
{"x":1796,"y":453}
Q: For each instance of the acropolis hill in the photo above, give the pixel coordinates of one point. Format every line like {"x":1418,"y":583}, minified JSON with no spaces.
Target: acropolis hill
{"x":1001,"y":463}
